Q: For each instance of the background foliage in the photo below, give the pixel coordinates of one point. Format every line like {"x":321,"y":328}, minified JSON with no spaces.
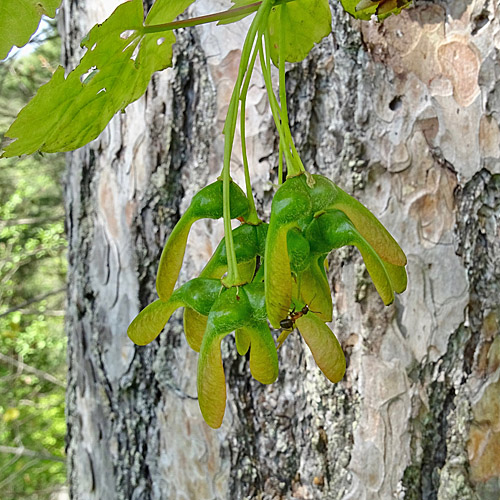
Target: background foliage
{"x":32,"y":278}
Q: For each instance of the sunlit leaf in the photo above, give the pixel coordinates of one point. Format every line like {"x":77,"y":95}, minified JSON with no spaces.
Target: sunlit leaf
{"x":11,"y":414}
{"x":19,"y":19}
{"x":306,"y":22}
{"x":68,"y":112}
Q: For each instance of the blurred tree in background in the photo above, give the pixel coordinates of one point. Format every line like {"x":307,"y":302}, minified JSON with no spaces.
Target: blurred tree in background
{"x":32,"y":293}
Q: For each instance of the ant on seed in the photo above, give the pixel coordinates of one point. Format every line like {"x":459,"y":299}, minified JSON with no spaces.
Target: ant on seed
{"x":288,"y":324}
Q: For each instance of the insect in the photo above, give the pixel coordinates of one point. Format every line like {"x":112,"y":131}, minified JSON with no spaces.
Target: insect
{"x":288,"y":324}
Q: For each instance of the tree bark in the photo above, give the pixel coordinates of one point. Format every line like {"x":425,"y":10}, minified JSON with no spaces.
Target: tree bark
{"x":405,"y":116}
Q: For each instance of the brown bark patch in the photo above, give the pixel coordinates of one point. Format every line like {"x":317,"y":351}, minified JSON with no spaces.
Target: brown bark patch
{"x":434,"y":208}
{"x":484,"y":439}
{"x":460,"y":64}
{"x":107,"y":203}
{"x":416,"y":42}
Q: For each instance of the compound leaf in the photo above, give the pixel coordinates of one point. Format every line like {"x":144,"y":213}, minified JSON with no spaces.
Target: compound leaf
{"x":67,"y":113}
{"x":19,"y":19}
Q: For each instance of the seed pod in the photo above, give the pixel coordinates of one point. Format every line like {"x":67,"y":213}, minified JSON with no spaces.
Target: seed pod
{"x":324,"y":346}
{"x":239,"y":309}
{"x":198,"y":294}
{"x":207,"y":203}
{"x":338,"y":230}
{"x":370,"y":228}
{"x":291,"y":202}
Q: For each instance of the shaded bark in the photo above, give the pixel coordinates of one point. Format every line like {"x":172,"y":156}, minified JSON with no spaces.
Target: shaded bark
{"x":404,"y":116}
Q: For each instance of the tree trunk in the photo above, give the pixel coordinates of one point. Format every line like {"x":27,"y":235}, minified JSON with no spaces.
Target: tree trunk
{"x":405,"y":116}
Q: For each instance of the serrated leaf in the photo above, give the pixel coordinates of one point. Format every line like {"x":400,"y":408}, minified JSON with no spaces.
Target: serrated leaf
{"x":306,"y":22}
{"x":365,"y":9}
{"x":19,"y":19}
{"x":67,"y":113}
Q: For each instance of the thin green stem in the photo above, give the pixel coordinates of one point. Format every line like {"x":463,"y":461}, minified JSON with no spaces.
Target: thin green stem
{"x":232,"y":278}
{"x":275,"y":109}
{"x":282,"y":82}
{"x":252,"y":217}
{"x":236,"y":14}
{"x":210,"y":18}
{"x":280,"y":164}
{"x":289,"y":144}
{"x":282,"y":92}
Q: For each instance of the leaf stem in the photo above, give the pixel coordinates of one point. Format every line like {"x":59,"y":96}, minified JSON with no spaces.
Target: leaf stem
{"x":235,"y":13}
{"x":210,"y":18}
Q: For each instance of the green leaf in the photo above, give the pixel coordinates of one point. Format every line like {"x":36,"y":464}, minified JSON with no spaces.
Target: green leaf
{"x":365,"y":9}
{"x":67,"y":113}
{"x":306,"y":22}
{"x":19,"y":19}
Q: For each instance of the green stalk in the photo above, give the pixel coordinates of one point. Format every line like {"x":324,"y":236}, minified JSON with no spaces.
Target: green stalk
{"x":282,"y":86}
{"x":280,"y":164}
{"x":275,"y":109}
{"x":210,"y":18}
{"x":232,"y":278}
{"x":289,"y":145}
{"x":236,"y":13}
{"x":253,"y":217}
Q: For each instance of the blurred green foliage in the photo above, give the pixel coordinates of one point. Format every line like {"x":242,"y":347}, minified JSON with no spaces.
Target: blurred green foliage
{"x":32,"y":294}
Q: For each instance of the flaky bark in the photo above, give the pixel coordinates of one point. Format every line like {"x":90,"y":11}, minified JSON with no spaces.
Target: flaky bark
{"x":403,"y":115}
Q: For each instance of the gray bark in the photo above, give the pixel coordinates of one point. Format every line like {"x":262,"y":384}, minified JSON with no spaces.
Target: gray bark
{"x":403,"y":115}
